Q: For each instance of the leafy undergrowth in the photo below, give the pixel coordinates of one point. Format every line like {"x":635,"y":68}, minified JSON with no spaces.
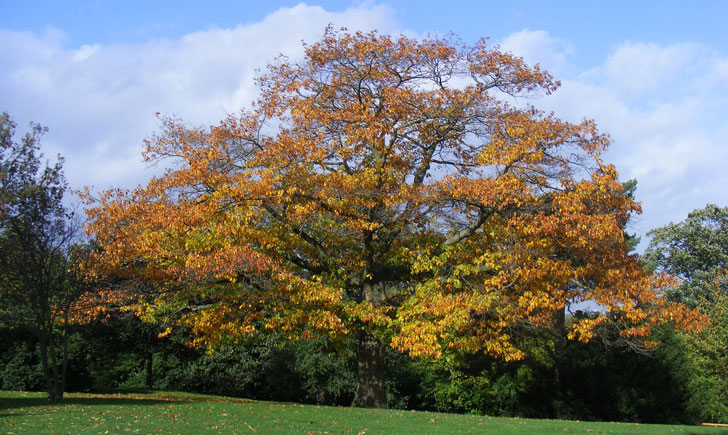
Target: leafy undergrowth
{"x":182,"y":413}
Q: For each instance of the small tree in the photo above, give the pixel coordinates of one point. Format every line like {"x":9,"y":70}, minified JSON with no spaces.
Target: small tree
{"x":382,"y":190}
{"x":696,"y":251}
{"x":38,"y":284}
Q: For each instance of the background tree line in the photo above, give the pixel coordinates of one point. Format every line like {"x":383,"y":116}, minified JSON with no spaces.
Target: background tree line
{"x":673,"y":384}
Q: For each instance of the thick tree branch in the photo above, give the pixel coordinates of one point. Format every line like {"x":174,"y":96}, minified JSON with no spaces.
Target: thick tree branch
{"x":483,"y":214}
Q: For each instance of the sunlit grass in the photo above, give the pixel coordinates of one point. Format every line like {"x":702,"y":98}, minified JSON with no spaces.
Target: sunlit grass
{"x":182,"y":413}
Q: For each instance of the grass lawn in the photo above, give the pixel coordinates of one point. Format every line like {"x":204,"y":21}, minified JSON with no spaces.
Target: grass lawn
{"x":182,"y":413}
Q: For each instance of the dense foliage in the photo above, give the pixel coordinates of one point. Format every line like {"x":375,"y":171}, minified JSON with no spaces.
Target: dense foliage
{"x":600,"y":383}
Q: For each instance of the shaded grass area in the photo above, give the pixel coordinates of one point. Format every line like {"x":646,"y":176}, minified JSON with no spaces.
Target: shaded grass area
{"x":182,"y":413}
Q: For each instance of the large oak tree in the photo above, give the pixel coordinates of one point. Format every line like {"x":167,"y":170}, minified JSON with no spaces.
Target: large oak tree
{"x":383,"y":190}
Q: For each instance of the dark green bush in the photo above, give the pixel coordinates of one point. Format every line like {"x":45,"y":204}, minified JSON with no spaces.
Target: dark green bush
{"x":21,"y":370}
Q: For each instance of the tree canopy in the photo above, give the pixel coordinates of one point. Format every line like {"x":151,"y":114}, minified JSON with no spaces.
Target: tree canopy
{"x":384,"y":189}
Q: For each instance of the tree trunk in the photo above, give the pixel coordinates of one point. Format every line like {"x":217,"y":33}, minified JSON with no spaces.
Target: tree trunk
{"x":48,"y":362}
{"x":150,"y":373}
{"x":370,"y":392}
{"x":57,"y":394}
{"x":43,"y":343}
{"x":64,"y":364}
{"x":559,"y":330}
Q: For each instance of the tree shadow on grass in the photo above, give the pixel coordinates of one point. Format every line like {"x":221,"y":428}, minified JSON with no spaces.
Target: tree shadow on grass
{"x":35,"y":403}
{"x":13,"y":406}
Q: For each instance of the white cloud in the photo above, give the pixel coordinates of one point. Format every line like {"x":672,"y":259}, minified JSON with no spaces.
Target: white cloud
{"x":85,"y":52}
{"x":639,"y":68}
{"x":99,"y":101}
{"x":538,"y":47}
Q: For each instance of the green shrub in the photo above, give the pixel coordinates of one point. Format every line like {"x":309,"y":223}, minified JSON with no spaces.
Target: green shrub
{"x":21,"y":369}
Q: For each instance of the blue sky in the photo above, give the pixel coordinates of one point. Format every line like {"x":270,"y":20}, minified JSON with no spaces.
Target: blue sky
{"x":591,"y":27}
{"x":652,"y":74}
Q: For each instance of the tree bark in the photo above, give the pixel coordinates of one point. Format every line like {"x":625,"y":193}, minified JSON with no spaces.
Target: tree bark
{"x":43,"y":343}
{"x":49,"y":364}
{"x":559,"y":354}
{"x":64,"y":364}
{"x":370,"y":391}
{"x":150,"y":373}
